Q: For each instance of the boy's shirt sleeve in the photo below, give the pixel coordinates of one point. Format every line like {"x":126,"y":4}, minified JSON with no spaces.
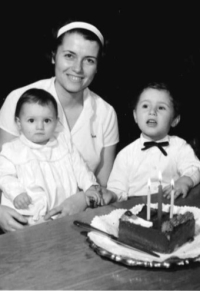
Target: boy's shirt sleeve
{"x":189,"y":164}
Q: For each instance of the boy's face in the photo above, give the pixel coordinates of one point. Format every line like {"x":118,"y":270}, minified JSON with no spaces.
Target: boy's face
{"x":37,"y":122}
{"x":154,"y":114}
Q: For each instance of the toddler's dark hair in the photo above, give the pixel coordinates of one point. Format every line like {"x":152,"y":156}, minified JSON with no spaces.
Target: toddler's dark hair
{"x":162,"y":86}
{"x":33,"y":96}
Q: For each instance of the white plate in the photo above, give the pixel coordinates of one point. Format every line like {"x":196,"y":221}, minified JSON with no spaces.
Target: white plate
{"x":104,"y":246}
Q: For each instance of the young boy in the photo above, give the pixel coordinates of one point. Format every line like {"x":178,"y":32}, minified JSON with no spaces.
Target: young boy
{"x":155,"y":112}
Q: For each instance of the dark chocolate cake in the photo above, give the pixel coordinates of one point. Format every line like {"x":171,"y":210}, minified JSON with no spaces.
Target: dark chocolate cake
{"x":163,"y":237}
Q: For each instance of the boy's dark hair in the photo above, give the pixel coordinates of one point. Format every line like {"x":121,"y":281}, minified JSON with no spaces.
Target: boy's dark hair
{"x":162,"y":86}
{"x":33,"y":96}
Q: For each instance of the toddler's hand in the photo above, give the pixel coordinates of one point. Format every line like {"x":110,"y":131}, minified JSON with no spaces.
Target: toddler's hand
{"x":22,"y":201}
{"x":93,"y":196}
{"x":181,"y":187}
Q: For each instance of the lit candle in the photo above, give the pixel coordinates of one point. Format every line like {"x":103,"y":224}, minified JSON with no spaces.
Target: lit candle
{"x":172,"y":199}
{"x":149,"y":200}
{"x":160,"y":194}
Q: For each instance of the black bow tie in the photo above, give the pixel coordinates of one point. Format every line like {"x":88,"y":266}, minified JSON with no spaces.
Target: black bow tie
{"x":160,"y":145}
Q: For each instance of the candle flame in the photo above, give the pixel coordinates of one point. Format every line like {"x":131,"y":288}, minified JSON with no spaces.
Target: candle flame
{"x":160,"y":177}
{"x":172,"y":183}
{"x":149,"y":183}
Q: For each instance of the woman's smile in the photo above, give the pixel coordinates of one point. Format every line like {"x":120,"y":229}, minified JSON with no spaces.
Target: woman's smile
{"x":75,"y":79}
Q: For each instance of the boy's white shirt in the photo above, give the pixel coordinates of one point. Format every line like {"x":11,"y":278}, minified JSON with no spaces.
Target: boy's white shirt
{"x":133,"y":167}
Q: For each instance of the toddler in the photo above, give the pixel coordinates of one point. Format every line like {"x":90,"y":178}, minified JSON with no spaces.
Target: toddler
{"x":41,"y":168}
{"x":155,"y":155}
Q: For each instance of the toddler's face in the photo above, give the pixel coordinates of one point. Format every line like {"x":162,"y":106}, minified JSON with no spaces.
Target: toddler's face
{"x":154,"y":113}
{"x":37,"y":122}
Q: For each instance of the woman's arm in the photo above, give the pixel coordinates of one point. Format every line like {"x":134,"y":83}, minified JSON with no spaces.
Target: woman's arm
{"x":10,"y":219}
{"x":5,"y":137}
{"x":71,"y":205}
{"x":107,"y":159}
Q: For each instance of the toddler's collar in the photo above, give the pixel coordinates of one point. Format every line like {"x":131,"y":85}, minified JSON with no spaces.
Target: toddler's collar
{"x":33,"y":145}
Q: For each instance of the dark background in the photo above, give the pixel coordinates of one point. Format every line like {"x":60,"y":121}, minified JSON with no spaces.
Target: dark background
{"x":149,"y":41}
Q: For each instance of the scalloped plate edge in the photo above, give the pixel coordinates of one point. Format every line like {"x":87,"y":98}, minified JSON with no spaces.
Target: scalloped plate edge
{"x":132,"y":263}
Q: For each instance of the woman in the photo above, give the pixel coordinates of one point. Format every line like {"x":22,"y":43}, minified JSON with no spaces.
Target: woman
{"x":88,"y":120}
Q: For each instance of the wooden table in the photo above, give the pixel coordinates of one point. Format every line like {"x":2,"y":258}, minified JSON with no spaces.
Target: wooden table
{"x":54,"y":255}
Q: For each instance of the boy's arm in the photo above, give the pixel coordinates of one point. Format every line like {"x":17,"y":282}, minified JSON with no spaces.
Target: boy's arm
{"x":189,"y":169}
{"x":189,"y":164}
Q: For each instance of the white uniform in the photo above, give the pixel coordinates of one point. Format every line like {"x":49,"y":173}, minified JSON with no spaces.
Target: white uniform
{"x":95,"y":128}
{"x":47,"y":173}
{"x":133,"y":167}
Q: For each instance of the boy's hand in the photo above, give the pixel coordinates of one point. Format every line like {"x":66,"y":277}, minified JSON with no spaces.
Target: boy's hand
{"x":93,"y":196}
{"x":22,"y":201}
{"x":181,"y":187}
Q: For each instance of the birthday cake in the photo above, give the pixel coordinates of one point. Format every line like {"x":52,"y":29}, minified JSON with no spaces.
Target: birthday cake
{"x":164,"y":236}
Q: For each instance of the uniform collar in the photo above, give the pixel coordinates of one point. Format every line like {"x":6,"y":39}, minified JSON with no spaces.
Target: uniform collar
{"x":89,"y":102}
{"x":88,"y":111}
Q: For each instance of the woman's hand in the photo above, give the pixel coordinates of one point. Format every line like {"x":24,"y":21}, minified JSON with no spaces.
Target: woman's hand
{"x":72,"y":205}
{"x":10,"y":219}
{"x":108,"y":196}
{"x":93,"y":196}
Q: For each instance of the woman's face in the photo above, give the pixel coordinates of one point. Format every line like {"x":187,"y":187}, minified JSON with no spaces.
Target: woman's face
{"x":76,"y":62}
